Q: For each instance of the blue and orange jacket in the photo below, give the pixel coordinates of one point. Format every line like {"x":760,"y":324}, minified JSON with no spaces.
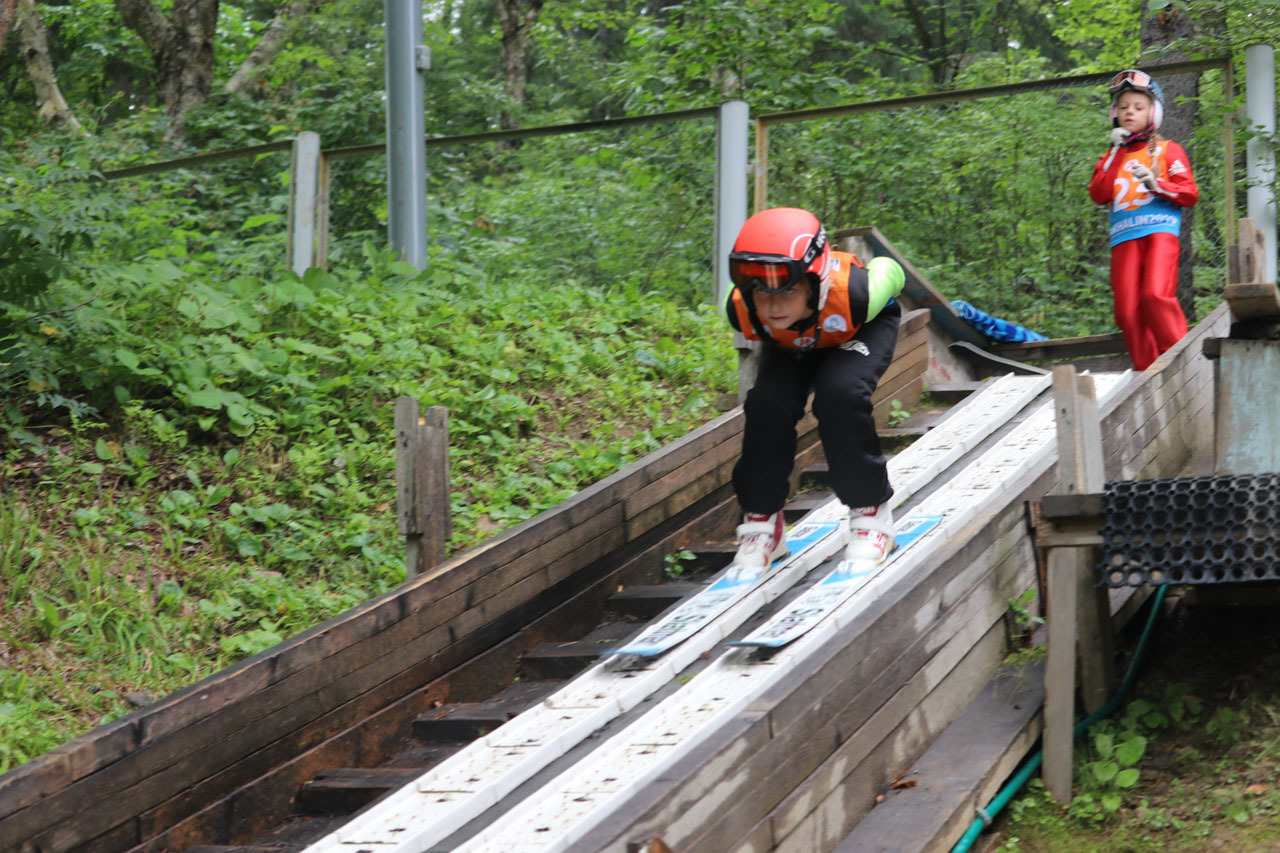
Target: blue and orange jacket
{"x":857,"y":293}
{"x":1135,"y":210}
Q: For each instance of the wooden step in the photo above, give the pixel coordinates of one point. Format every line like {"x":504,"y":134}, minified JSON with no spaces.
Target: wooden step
{"x":953,"y":392}
{"x":816,"y":476}
{"x":708,"y":557}
{"x":565,"y":660}
{"x":801,"y":505}
{"x":344,"y":790}
{"x":646,"y":602}
{"x":926,"y":419}
{"x":462,"y":722}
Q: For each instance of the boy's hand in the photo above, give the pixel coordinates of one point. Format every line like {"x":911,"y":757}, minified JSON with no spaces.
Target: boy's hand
{"x":1118,"y":135}
{"x":1148,"y":177}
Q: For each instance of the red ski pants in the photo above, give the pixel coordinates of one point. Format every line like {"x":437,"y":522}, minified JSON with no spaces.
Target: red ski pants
{"x":1144,"y":284}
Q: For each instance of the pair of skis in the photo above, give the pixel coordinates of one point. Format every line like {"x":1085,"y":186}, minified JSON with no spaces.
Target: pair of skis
{"x":806,"y":611}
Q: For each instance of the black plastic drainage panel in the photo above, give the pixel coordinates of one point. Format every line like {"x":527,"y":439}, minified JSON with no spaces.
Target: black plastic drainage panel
{"x":1190,"y":530}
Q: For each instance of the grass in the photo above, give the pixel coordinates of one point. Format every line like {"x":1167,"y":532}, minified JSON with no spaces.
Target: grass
{"x":147,"y":545}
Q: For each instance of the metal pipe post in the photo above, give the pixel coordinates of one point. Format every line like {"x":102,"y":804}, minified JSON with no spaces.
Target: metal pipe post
{"x":304,"y":178}
{"x":406,"y":59}
{"x":733,"y":134}
{"x":1260,"y":110}
{"x":732,"y":138}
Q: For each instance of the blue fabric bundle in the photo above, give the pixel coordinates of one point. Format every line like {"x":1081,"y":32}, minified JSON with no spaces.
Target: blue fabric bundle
{"x":993,"y":327}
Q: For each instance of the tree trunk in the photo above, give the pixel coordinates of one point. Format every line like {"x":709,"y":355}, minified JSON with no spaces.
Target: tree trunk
{"x":268,"y":47}
{"x":1160,"y":29}
{"x":181,"y":49}
{"x":8,"y":8}
{"x":518,"y":18}
{"x":33,"y":39}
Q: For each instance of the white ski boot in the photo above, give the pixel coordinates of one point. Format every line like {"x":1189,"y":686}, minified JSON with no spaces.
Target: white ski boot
{"x":870,"y":533}
{"x":760,"y":541}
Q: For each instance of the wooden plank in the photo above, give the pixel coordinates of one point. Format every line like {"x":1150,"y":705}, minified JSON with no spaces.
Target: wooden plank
{"x":1076,"y":614}
{"x":1247,"y":252}
{"x":1247,"y":418}
{"x":963,"y":769}
{"x":431,"y":486}
{"x":385,"y":666}
{"x":1062,"y":348}
{"x":292,"y":760}
{"x":1253,"y":300}
{"x":677,"y":501}
{"x":913,"y":320}
{"x":908,"y":395}
{"x":681,"y":478}
{"x":967,"y":607}
{"x":156,"y":759}
{"x":831,"y":680}
{"x":954,"y":392}
{"x":1059,"y":674}
{"x":917,"y":292}
{"x":839,"y":812}
{"x":1067,"y":506}
{"x":409,"y":517}
{"x":910,"y":361}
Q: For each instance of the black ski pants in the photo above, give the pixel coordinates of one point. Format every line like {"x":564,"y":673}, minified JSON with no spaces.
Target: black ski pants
{"x":842,"y":380}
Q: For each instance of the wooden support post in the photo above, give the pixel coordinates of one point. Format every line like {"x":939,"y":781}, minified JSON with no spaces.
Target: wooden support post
{"x":1245,"y":259}
{"x":1077,"y":610}
{"x":422,"y":484}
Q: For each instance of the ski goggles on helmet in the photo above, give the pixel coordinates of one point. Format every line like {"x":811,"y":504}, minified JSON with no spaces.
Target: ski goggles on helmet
{"x":773,"y":274}
{"x":1131,"y":78}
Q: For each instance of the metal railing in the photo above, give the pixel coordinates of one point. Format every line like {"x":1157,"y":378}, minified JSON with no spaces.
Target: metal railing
{"x":310,"y":170}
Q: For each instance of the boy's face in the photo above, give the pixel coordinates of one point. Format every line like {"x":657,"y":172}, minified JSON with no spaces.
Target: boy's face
{"x":789,"y":305}
{"x":1133,"y":111}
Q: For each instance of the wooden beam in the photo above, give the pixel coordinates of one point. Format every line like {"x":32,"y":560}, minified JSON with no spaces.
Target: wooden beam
{"x":917,"y":291}
{"x":1072,"y":348}
{"x":1253,"y":300}
{"x":1077,"y":609}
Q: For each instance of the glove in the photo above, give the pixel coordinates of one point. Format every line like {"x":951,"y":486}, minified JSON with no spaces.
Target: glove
{"x":1118,"y":136}
{"x":1146,"y":176}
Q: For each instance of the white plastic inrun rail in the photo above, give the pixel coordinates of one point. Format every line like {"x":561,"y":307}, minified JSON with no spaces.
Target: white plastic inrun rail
{"x":591,"y":791}
{"x":459,"y":789}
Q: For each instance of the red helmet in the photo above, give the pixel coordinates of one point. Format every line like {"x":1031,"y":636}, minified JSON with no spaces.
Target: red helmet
{"x":776,"y":247}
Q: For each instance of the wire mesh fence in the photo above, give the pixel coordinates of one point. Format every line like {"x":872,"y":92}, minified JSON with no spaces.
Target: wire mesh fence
{"x":987,"y":193}
{"x":983,"y":189}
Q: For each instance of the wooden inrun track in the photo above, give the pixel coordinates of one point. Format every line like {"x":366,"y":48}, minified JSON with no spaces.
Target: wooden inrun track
{"x":454,"y":713}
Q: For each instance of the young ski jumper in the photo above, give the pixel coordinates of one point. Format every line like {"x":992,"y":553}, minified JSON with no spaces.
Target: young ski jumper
{"x":829,"y":325}
{"x":1146,"y":179}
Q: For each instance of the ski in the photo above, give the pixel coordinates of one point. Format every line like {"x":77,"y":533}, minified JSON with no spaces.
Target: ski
{"x":730,"y":587}
{"x":817,"y":602}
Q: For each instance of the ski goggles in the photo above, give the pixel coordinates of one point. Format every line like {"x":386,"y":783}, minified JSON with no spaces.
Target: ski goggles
{"x":773,"y":274}
{"x":1131,"y":79}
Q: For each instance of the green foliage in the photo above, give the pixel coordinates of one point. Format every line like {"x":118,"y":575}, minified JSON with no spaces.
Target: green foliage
{"x":1023,"y":620}
{"x":673,"y":564}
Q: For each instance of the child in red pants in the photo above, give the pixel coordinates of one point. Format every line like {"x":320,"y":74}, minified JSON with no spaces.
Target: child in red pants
{"x":1147,"y":180}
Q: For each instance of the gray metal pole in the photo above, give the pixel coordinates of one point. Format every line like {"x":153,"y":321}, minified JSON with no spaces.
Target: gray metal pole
{"x":1260,"y":110}
{"x":733,"y":137}
{"x":406,"y":59}
{"x":304,"y":188}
